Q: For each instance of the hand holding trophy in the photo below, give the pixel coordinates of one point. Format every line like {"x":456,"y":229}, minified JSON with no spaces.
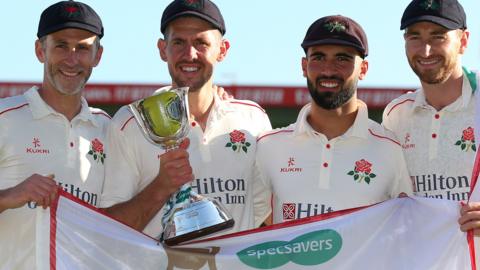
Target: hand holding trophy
{"x":163,"y":119}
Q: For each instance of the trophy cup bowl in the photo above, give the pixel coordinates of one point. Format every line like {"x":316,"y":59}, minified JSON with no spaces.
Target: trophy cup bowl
{"x":163,"y":119}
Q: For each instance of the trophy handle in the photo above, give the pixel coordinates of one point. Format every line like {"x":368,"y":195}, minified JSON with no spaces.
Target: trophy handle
{"x":176,"y":201}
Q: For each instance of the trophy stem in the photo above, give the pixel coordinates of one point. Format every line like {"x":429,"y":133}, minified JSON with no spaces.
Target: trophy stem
{"x":178,"y":200}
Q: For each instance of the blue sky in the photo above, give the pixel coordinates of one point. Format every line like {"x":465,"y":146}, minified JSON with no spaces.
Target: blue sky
{"x":265,"y":39}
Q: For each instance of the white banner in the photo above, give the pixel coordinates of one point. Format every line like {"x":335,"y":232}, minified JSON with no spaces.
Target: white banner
{"x":406,"y":233}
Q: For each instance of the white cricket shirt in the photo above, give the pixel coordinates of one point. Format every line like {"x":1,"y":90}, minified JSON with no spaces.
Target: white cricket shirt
{"x":220,"y":171}
{"x":36,"y":139}
{"x":310,"y":175}
{"x":439,"y":146}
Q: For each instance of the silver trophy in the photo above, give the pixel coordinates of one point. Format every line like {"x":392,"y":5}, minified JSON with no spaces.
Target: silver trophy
{"x":163,"y":118}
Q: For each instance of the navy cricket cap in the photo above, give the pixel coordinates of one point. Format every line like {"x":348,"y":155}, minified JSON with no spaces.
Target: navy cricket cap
{"x":69,"y":14}
{"x":203,"y":9}
{"x":336,"y":30}
{"x":447,"y":13}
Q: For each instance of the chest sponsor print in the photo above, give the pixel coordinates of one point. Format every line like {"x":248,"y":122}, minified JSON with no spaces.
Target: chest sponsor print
{"x":450,"y":187}
{"x":292,"y":211}
{"x":227,"y":191}
{"x":291,"y":168}
{"x":288,"y":211}
{"x":407,"y":142}
{"x":36,"y":147}
{"x":83,"y":194}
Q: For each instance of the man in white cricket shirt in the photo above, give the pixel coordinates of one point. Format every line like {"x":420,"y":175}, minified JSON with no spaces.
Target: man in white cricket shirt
{"x":49,"y":137}
{"x":140,"y":177}
{"x":435,"y":124}
{"x":333,"y":157}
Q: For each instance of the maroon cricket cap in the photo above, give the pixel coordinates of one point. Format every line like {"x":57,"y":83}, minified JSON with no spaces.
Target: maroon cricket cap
{"x":203,"y":9}
{"x":336,"y":30}
{"x":69,"y":14}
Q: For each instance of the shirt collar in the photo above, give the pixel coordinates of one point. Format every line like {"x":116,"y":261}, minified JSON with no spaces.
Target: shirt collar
{"x":461,"y":103}
{"x":358,"y":129}
{"x":41,"y":109}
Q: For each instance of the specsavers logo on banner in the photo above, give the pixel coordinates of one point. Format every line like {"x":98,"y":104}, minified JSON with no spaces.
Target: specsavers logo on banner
{"x":313,"y":248}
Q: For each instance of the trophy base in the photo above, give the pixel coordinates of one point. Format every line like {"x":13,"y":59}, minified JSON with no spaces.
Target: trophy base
{"x":199,"y":233}
{"x":196,"y":219}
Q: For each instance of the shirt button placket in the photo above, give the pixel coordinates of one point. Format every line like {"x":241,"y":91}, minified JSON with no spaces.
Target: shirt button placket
{"x":326,"y":158}
{"x":72,"y":151}
{"x":434,"y":135}
{"x":198,"y":133}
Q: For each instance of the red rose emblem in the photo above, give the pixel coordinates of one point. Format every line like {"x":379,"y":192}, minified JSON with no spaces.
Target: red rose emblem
{"x":237,"y":136}
{"x":97,"y":146}
{"x":363,"y":166}
{"x":468,"y":134}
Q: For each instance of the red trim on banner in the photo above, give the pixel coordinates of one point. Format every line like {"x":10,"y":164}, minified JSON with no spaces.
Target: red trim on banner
{"x":286,"y":224}
{"x":475,"y":173}
{"x":292,"y":223}
{"x":53,"y":231}
{"x":471,"y":245}
{"x":98,"y":210}
{"x":470,"y":234}
{"x":271,"y":208}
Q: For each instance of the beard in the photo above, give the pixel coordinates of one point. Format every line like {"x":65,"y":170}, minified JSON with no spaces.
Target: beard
{"x":65,"y":87}
{"x":434,"y":76}
{"x":331,"y":100}
{"x":193,"y":84}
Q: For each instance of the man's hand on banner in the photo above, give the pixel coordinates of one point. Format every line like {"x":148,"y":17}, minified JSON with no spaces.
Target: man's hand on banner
{"x":39,"y":189}
{"x":470,"y":217}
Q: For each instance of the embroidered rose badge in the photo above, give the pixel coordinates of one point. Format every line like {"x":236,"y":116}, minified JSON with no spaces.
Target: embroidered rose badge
{"x":467,"y":141}
{"x":237,"y":141}
{"x":362,"y":171}
{"x":192,"y":3}
{"x":96,"y":150}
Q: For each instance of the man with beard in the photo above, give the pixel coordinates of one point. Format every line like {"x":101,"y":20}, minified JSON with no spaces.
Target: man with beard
{"x":49,"y":135}
{"x":435,"y":124}
{"x":333,"y":157}
{"x":141,"y":177}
